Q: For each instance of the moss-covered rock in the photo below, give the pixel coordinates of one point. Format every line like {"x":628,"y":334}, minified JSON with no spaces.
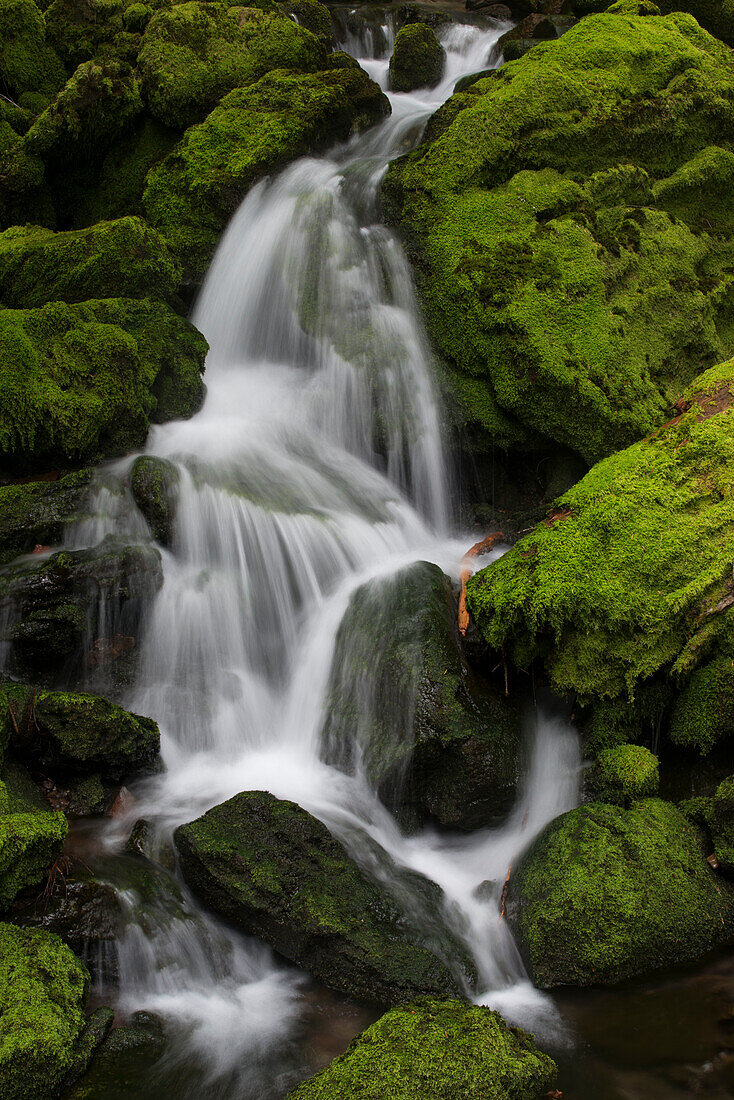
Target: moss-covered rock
{"x":445,"y":1050}
{"x":717,"y":16}
{"x":83,"y":30}
{"x":96,"y":1029}
{"x":606,"y":893}
{"x":29,"y":844}
{"x":116,"y":259}
{"x":418,"y":58}
{"x":623,"y":774}
{"x":123,"y":1063}
{"x":27,"y":62}
{"x":571,"y":278}
{"x":274,"y":870}
{"x":720,"y":819}
{"x":704,"y":710}
{"x":628,"y":578}
{"x":194,"y":53}
{"x":431,"y":737}
{"x":154,"y":485}
{"x":42,"y":993}
{"x":315,"y":17}
{"x":21,"y":179}
{"x":81,"y":382}
{"x":254,"y":131}
{"x":38,"y":513}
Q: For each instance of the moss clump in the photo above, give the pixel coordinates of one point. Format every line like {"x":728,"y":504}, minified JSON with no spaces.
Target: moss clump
{"x":546,"y":212}
{"x":255,"y":130}
{"x":21,"y":178}
{"x":447,"y":1050}
{"x":315,"y":17}
{"x":42,"y":992}
{"x":606,"y":893}
{"x":29,"y":844}
{"x":154,"y":485}
{"x":123,"y":1063}
{"x":38,"y":513}
{"x":194,"y":53}
{"x":704,"y":710}
{"x":81,"y":382}
{"x":83,"y":30}
{"x":27,"y":63}
{"x":273,"y":869}
{"x":617,"y":583}
{"x":716,"y":16}
{"x":124,"y":258}
{"x":623,"y":774}
{"x":720,"y":819}
{"x":418,"y":58}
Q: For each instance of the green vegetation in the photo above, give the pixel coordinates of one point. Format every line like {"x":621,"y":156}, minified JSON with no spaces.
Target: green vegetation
{"x":27,"y":63}
{"x":154,"y":485}
{"x":704,"y":710}
{"x":445,"y":1050}
{"x":38,"y":513}
{"x":623,"y":774}
{"x":29,"y":844}
{"x":418,"y":58}
{"x":717,"y":16}
{"x":720,"y":819}
{"x":606,"y":893}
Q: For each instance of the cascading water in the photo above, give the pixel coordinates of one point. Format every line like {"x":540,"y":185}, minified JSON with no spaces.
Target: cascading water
{"x":315,"y":466}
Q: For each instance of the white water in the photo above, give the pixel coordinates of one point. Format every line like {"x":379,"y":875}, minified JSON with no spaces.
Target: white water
{"x":317,"y":463}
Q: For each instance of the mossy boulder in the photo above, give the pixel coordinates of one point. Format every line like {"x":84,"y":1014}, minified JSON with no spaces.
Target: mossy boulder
{"x":703,"y":713}
{"x":85,"y":30}
{"x":606,"y":893}
{"x":623,"y":774}
{"x":275,"y":871}
{"x":38,"y":513}
{"x":418,"y":58}
{"x":315,"y":17}
{"x":445,"y":1050}
{"x":192,"y":194}
{"x":717,"y":16}
{"x":22,"y":193}
{"x":630,"y":575}
{"x":432,"y":738}
{"x":116,"y":259}
{"x":123,"y":1063}
{"x":154,"y":485}
{"x":43,"y":987}
{"x":194,"y":53}
{"x":27,"y":62}
{"x":554,"y":217}
{"x":720,"y":819}
{"x":82,"y":382}
{"x":30,"y":841}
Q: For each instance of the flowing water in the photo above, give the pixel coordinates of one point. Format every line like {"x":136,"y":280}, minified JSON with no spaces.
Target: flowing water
{"x":316,"y":465}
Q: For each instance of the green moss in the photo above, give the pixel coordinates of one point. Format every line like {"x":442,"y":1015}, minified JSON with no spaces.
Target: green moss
{"x":42,"y":992}
{"x":716,"y":16}
{"x":447,"y":1050}
{"x":704,"y":710}
{"x":124,"y":258}
{"x":606,"y":893}
{"x":21,"y":177}
{"x":418,"y":58}
{"x":254,"y":131}
{"x":720,"y":820}
{"x":29,"y":844}
{"x":82,"y":30}
{"x":271,"y":868}
{"x":617,"y":584}
{"x":315,"y":17}
{"x":623,"y":774}
{"x":39,"y":512}
{"x":27,"y":63}
{"x":154,"y":485}
{"x":83,"y":381}
{"x":122,"y":1065}
{"x":194,"y":53}
{"x":546,"y":212}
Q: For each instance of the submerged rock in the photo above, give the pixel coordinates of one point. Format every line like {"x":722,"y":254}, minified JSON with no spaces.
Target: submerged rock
{"x":606,"y":893}
{"x":154,"y":485}
{"x":38,"y":513}
{"x":623,"y":774}
{"x":418,"y":59}
{"x":432,"y":738}
{"x":435,"y":1050}
{"x":274,"y":870}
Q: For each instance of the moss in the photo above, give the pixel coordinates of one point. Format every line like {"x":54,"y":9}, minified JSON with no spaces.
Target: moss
{"x":83,"y":381}
{"x":704,"y":711}
{"x":447,"y":1050}
{"x":623,"y":774}
{"x":96,"y":1030}
{"x":124,"y":258}
{"x":42,"y":992}
{"x":616,"y":585}
{"x":194,"y":53}
{"x":720,"y":820}
{"x":606,"y":893}
{"x":83,"y":30}
{"x":315,"y":17}
{"x":274,"y":870}
{"x":21,"y":177}
{"x":29,"y":844}
{"x":154,"y":485}
{"x":39,"y":512}
{"x":27,"y":63}
{"x":580,"y":304}
{"x":716,"y":16}
{"x":254,"y":131}
{"x":698,"y":192}
{"x":418,"y":59}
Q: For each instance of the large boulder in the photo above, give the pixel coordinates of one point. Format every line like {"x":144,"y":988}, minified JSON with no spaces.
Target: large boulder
{"x":432,"y":738}
{"x":255,"y":130}
{"x":38,"y":513}
{"x":606,"y":893}
{"x":194,"y":53}
{"x":116,"y":259}
{"x":716,"y":16}
{"x":82,"y":382}
{"x":442,"y":1050}
{"x":274,"y":870}
{"x":42,"y":992}
{"x":27,"y":62}
{"x":555,"y":216}
{"x":418,"y":58}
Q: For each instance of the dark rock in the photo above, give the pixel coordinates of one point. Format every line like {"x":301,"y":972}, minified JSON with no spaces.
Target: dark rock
{"x":154,"y":483}
{"x":123,"y":1063}
{"x":95,"y":1032}
{"x":418,"y":59}
{"x":39,"y":512}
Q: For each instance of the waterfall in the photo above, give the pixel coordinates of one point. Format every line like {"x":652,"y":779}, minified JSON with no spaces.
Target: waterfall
{"x":317,"y":464}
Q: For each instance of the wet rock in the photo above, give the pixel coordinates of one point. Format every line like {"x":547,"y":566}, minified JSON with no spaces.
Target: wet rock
{"x":606,"y":893}
{"x":123,"y":1063}
{"x":39,"y":512}
{"x":720,"y":818}
{"x":418,"y":59}
{"x":623,"y":774}
{"x":42,"y":991}
{"x":315,"y":17}
{"x":461,"y":1049}
{"x":432,"y":738}
{"x":154,"y":483}
{"x":274,"y":870}
{"x":30,"y":842}
{"x":95,"y":1031}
